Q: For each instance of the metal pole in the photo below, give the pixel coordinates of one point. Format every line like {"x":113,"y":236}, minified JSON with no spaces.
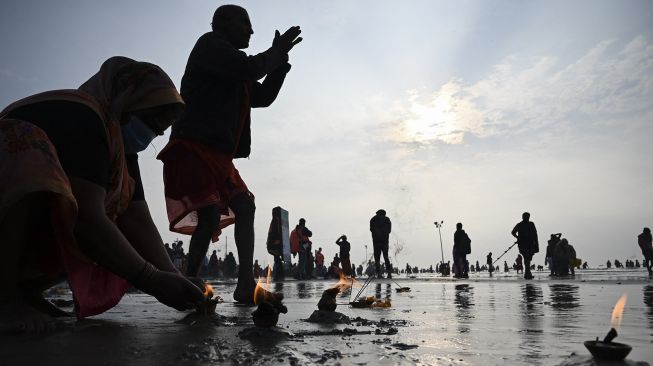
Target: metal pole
{"x":439,"y":225}
{"x":441,"y":250}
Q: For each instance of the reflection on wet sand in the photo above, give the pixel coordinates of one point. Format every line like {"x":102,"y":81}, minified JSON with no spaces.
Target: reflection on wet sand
{"x":648,"y":300}
{"x":464,"y":300}
{"x":532,"y":314}
{"x":565,"y":303}
{"x":305,"y":290}
{"x":381,"y":294}
{"x":564,"y":297}
{"x":278,"y":287}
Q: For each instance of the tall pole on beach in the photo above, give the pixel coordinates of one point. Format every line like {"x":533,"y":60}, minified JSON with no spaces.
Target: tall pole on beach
{"x":439,"y":225}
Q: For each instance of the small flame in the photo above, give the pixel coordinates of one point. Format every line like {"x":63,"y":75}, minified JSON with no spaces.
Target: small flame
{"x":345,"y":283}
{"x":260,"y":289}
{"x":618,"y":310}
{"x":208,"y":291}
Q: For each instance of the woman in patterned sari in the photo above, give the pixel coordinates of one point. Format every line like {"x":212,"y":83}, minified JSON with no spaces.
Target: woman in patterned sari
{"x":71,"y":199}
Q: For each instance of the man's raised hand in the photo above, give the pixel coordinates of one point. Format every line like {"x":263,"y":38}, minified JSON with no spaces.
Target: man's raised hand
{"x":286,"y":41}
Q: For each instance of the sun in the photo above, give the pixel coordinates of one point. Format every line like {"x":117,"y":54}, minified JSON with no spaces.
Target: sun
{"x":431,"y":121}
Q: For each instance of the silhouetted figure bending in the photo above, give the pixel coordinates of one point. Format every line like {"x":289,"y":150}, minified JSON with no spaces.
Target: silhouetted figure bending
{"x":645,"y":242}
{"x":550,"y":249}
{"x":204,"y":191}
{"x":527,"y":242}
{"x":380,"y":226}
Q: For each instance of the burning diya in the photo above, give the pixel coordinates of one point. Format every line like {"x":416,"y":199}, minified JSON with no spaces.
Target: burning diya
{"x":607,"y":349}
{"x":327,"y":305}
{"x":207,"y":306}
{"x":269,"y":305}
{"x":368,"y":301}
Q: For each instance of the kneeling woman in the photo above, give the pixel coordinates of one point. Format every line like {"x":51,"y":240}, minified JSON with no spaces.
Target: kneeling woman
{"x":71,"y":198}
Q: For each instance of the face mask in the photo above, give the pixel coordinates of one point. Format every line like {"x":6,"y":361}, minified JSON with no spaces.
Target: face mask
{"x":136,"y":135}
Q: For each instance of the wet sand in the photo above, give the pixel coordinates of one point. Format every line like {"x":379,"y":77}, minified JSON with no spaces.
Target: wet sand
{"x":479,"y":321}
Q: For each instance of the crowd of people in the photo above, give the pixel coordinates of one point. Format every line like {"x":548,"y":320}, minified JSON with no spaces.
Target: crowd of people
{"x":308,"y":263}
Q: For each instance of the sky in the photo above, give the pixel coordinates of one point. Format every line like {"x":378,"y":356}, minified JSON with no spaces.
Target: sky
{"x":469,"y":111}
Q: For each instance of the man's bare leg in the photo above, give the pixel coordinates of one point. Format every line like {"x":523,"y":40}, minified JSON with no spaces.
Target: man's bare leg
{"x":17,"y":315}
{"x":208,"y":219}
{"x":243,"y":207}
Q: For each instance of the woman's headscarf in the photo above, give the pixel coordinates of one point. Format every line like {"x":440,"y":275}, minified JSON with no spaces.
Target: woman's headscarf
{"x":123,"y":85}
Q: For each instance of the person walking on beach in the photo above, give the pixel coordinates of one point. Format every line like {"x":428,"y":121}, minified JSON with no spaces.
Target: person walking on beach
{"x":488,"y":261}
{"x":645,"y":241}
{"x":204,"y":191}
{"x":299,"y":238}
{"x":345,"y":247}
{"x":527,"y":241}
{"x":320,"y":269}
{"x":72,"y":204}
{"x":381,"y":227}
{"x":519,"y":264}
{"x":275,"y":244}
{"x":550,"y":249}
{"x":461,"y":247}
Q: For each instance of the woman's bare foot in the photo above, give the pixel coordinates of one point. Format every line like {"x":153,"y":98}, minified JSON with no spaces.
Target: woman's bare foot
{"x":38,"y":302}
{"x":18,"y":316}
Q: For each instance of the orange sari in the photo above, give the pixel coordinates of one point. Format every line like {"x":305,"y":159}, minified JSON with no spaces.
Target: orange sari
{"x":29,"y":163}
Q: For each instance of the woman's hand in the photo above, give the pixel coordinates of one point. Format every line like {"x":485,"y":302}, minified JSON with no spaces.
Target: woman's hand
{"x":170,"y":289}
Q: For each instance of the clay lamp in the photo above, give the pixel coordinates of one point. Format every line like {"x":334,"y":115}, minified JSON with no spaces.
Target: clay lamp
{"x":607,"y":349}
{"x":269,"y":304}
{"x":207,"y":306}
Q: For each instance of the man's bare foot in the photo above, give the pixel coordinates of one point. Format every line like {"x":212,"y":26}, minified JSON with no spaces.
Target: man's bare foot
{"x":244,"y":294}
{"x":19,"y":317}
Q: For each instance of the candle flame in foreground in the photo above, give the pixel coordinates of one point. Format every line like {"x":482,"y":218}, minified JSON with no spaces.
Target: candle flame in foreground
{"x":259,"y":293}
{"x":618,"y":310}
{"x":208,"y":291}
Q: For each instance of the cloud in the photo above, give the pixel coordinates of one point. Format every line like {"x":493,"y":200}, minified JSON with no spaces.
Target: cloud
{"x":608,"y":82}
{"x":9,"y":74}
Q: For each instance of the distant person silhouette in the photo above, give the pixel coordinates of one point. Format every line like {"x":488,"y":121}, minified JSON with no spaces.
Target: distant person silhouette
{"x":461,"y":247}
{"x":380,"y":226}
{"x":519,"y":264}
{"x":550,"y":249}
{"x":490,"y":266}
{"x":345,"y":247}
{"x":527,"y":241}
{"x":204,"y":191}
{"x":645,"y":242}
{"x":608,"y":264}
{"x":300,"y":239}
{"x":275,"y":243}
{"x":563,"y":257}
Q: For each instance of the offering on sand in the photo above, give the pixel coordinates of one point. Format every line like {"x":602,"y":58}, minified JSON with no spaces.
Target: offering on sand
{"x":328,"y":300}
{"x":371,"y":302}
{"x":207,"y":307}
{"x":267,"y":313}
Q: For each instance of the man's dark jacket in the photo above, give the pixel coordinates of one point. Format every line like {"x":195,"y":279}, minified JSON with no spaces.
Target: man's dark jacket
{"x":214,"y":87}
{"x":380,"y":226}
